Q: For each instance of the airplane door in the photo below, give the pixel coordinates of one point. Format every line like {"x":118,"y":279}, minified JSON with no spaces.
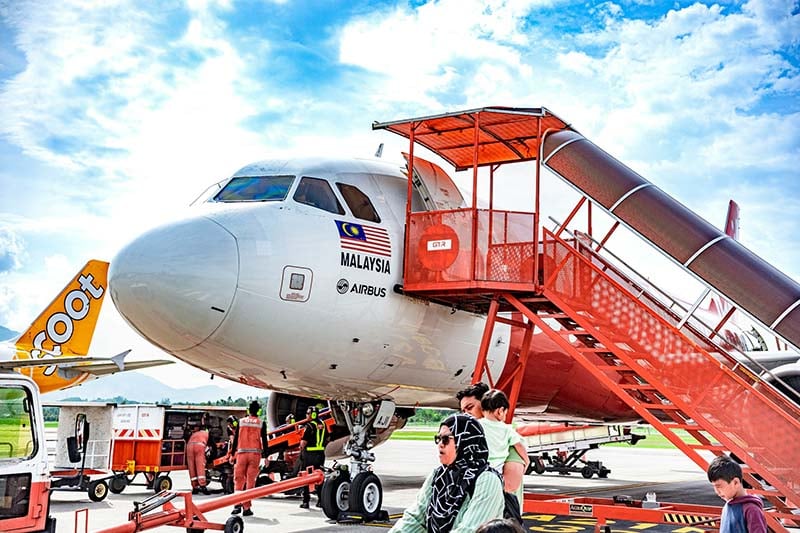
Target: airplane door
{"x":437,"y":190}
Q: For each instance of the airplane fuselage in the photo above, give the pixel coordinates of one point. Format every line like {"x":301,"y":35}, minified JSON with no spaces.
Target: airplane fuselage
{"x":300,"y":298}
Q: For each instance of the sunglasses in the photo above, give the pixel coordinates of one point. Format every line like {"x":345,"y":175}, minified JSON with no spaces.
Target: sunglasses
{"x":444,"y":439}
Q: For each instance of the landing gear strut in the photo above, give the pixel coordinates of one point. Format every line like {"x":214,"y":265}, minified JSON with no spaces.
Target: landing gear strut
{"x":356,"y":493}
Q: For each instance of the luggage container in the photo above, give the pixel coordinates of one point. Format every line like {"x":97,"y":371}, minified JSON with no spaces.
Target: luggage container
{"x":151,"y":440}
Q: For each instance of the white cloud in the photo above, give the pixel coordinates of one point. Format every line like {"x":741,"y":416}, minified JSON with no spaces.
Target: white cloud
{"x":432,"y":49}
{"x":12,"y":248}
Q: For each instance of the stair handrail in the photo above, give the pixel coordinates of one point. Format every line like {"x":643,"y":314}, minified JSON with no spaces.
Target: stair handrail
{"x":692,"y":322}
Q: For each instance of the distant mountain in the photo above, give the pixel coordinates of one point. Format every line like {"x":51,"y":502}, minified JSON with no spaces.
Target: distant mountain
{"x":142,"y":388}
{"x":6,"y":333}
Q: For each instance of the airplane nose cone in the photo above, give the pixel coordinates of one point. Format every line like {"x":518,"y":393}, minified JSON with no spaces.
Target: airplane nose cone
{"x":175,"y":284}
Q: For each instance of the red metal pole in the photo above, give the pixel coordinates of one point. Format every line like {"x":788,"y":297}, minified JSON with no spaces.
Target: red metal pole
{"x":489,"y":239}
{"x":564,"y":224}
{"x":480,"y":363}
{"x":608,"y":236}
{"x":174,"y":516}
{"x":475,"y":196}
{"x":536,"y":284}
{"x":521,"y":364}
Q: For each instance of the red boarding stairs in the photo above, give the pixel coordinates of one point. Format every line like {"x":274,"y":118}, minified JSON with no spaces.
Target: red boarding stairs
{"x":661,"y":365}
{"x":675,"y":379}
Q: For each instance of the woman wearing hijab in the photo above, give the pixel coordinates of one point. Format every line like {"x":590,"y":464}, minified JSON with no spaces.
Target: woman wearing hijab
{"x":464,"y":492}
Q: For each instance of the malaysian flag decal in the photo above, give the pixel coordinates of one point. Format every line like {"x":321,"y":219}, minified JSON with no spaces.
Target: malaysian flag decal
{"x":366,"y":239}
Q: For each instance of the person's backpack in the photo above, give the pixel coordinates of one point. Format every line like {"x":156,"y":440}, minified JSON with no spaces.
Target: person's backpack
{"x":511,"y":508}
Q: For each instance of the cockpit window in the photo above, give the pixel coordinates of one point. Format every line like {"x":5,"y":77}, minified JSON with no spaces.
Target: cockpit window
{"x":358,"y":202}
{"x":255,"y":189}
{"x":317,"y":193}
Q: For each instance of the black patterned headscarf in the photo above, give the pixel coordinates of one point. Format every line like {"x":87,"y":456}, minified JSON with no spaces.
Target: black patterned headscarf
{"x":452,"y":484}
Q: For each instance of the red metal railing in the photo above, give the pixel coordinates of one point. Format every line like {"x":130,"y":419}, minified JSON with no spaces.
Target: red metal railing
{"x":468,"y":248}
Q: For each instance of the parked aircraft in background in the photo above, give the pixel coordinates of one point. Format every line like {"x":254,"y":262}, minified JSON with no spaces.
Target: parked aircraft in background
{"x":289,"y":278}
{"x":52,"y":351}
{"x":750,"y":346}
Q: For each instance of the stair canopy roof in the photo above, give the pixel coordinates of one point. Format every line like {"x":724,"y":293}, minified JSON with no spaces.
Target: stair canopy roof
{"x":504,"y":134}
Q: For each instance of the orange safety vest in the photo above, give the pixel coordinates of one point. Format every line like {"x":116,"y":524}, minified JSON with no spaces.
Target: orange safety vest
{"x":249,"y":435}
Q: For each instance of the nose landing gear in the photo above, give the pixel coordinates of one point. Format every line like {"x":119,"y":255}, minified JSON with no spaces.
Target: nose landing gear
{"x":356,"y":493}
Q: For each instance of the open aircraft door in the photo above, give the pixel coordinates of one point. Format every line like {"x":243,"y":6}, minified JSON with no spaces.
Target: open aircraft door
{"x":437,"y":190}
{"x":443,"y":240}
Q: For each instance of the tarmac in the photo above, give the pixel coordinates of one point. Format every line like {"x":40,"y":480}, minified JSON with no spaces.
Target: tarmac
{"x":402,"y":467}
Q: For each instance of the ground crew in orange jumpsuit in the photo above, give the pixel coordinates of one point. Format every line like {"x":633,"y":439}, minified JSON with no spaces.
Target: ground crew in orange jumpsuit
{"x":196,"y":457}
{"x":249,"y":445}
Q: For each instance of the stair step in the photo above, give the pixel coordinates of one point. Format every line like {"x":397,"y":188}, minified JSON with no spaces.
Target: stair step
{"x":553,"y":315}
{"x":763,"y":492}
{"x":616,"y":368}
{"x":661,"y":406}
{"x":783,"y":516}
{"x":714,"y":447}
{"x":637,"y":386}
{"x":687,"y":427}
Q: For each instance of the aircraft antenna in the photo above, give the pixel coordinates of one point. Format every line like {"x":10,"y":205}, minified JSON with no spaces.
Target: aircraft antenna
{"x":379,"y":151}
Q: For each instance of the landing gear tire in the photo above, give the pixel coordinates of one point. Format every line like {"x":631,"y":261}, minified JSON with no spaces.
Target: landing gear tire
{"x":234,"y":524}
{"x":118,"y":483}
{"x":98,"y":490}
{"x":366,"y":495}
{"x":587,"y":472}
{"x":335,"y":495}
{"x":162,"y":482}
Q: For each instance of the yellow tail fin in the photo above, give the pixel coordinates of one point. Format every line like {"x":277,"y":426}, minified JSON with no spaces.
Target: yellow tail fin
{"x":67,"y":325}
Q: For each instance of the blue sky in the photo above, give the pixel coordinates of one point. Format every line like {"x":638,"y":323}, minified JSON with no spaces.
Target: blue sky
{"x":116,"y":115}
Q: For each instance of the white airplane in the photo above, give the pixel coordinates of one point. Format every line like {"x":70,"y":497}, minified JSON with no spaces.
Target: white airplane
{"x":52,"y":351}
{"x":289,"y":277}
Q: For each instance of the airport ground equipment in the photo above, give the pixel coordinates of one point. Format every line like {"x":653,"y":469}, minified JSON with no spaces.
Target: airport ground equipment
{"x":658,"y":357}
{"x":24,"y":475}
{"x":147,"y":515}
{"x":284,"y":443}
{"x":282,"y":452}
{"x":81,"y":478}
{"x":561,"y":448}
{"x":151,"y":440}
{"x":693,"y":517}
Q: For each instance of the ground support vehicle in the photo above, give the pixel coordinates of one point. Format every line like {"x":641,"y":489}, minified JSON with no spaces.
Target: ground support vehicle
{"x":283,"y":450}
{"x":80,"y":478}
{"x":561,"y":448}
{"x":151,"y":440}
{"x":24,"y":475}
{"x":220,"y":469}
{"x":603,"y":511}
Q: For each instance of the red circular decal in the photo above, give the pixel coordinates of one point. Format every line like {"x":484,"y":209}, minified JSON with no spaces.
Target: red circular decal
{"x":438,"y":247}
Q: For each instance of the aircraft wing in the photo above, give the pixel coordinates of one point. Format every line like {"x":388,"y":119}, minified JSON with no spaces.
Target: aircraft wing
{"x":96,"y":366}
{"x":770,"y":359}
{"x":108,"y":367}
